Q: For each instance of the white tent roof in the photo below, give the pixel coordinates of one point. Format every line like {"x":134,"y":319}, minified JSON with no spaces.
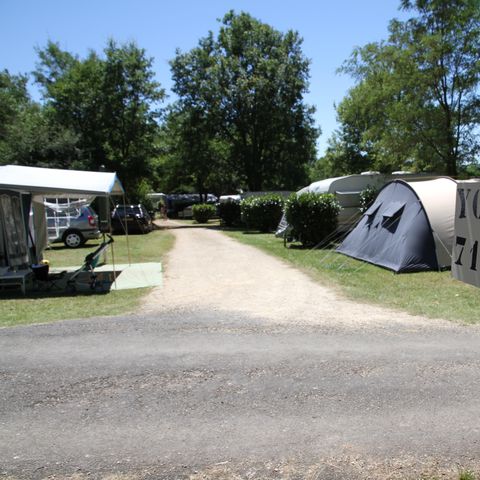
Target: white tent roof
{"x":438,"y":198}
{"x":56,"y":182}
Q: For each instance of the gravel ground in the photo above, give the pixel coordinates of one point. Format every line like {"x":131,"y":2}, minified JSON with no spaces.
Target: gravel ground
{"x":270,"y":383}
{"x":209,"y":270}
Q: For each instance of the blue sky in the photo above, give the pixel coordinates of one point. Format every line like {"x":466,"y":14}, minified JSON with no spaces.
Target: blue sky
{"x":330,"y":29}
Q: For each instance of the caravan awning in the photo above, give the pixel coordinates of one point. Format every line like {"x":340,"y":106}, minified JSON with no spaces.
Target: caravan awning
{"x":55,"y":182}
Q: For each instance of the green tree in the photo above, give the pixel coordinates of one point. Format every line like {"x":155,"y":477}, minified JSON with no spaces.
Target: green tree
{"x":343,"y":156}
{"x":416,"y":101}
{"x":28,"y":134}
{"x":131,"y":111}
{"x":194,"y":155}
{"x":244,"y":91}
{"x":13,"y":99}
{"x":110,"y":103}
{"x":72,"y":89}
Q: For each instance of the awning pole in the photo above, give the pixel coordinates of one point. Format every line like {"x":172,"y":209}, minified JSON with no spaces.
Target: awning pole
{"x":126,"y":232}
{"x":113,"y":253}
{"x":113,"y":266}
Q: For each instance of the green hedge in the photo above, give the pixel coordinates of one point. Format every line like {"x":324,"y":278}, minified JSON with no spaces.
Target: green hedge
{"x":262,"y":213}
{"x":312,"y":216}
{"x":230,"y":213}
{"x":203,"y":212}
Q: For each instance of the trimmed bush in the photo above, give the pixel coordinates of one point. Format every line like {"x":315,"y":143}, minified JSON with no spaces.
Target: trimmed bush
{"x":230,"y":213}
{"x":312,"y":216}
{"x":262,"y":213}
{"x":203,"y":212}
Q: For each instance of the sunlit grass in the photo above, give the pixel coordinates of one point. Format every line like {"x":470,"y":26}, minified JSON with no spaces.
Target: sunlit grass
{"x":42,"y":307}
{"x":432,"y":294}
{"x":143,"y":248}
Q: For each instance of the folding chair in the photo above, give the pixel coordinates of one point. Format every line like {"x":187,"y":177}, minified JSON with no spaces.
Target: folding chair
{"x":89,"y":265}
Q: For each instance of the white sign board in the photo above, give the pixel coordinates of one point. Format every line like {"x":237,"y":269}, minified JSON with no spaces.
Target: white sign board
{"x":465,"y":254}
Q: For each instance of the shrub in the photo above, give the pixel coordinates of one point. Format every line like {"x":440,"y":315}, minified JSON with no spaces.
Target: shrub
{"x":312,"y":216}
{"x":203,"y":212}
{"x":367,"y":197}
{"x":262,"y":213}
{"x":230,"y":213}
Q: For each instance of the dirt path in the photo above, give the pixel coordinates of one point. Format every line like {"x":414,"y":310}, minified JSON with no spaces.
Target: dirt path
{"x":208,"y":270}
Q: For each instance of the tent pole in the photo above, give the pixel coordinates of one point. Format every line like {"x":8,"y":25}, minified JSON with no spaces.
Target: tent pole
{"x":113,"y":251}
{"x":126,"y":233}
{"x":113,"y":266}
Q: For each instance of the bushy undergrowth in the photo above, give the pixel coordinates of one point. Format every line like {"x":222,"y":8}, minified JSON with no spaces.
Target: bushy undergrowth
{"x":262,"y":213}
{"x":203,"y":212}
{"x":230,"y":213}
{"x":312,"y":216}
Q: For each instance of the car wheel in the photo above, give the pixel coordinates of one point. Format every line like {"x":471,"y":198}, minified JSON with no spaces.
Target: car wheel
{"x":73,"y":239}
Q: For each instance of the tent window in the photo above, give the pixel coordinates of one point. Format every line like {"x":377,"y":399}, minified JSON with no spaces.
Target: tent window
{"x":393,"y":209}
{"x":372,"y":212}
{"x":391,"y":215}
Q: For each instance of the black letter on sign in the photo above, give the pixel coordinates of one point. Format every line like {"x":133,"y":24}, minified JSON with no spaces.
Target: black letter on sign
{"x":460,"y":241}
{"x":474,"y":252}
{"x":463,"y":201}
{"x":475,"y":204}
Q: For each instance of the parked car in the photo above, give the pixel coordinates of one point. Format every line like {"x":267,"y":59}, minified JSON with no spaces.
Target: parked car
{"x":135,"y":218}
{"x":177,"y":204}
{"x":73,"y":225}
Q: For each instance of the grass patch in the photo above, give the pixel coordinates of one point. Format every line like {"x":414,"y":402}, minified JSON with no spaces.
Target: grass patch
{"x":431,"y":294}
{"x":143,"y":248}
{"x":41,"y":308}
{"x":467,"y":475}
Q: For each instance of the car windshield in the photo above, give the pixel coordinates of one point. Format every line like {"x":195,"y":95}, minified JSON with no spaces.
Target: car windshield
{"x":128,"y":209}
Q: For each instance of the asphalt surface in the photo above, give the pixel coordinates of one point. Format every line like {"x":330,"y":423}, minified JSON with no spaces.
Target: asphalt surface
{"x":196,"y":395}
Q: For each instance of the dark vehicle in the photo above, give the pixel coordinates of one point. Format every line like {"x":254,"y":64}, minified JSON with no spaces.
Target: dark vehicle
{"x":131,"y":218}
{"x":72,"y":225}
{"x":178,"y":204}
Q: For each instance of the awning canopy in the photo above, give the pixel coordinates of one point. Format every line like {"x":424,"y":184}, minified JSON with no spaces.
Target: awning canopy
{"x":55,"y":182}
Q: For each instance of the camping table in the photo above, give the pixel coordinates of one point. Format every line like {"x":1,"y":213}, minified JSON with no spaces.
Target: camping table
{"x":15,"y":278}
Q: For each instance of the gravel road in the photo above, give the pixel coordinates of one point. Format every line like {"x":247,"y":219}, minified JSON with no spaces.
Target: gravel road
{"x":199,"y":389}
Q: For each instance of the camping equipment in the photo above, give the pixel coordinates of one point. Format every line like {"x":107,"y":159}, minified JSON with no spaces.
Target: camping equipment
{"x":408,"y":228}
{"x":90,"y":263}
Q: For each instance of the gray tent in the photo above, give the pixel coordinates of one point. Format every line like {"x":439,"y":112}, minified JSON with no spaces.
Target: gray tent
{"x":409,"y":227}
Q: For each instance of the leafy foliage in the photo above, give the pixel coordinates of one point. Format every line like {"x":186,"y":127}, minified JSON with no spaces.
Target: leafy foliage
{"x":29,"y":135}
{"x":367,"y":197}
{"x":203,"y":212}
{"x":110,"y":105}
{"x":230,"y":213}
{"x":241,"y":109}
{"x":312,"y":216}
{"x":262,"y":213}
{"x":415,"y":105}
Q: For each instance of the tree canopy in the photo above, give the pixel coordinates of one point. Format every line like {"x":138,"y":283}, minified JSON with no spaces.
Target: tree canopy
{"x":28,"y":134}
{"x":110,"y":103}
{"x":240,"y":108}
{"x":239,"y":119}
{"x":416,"y":101}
